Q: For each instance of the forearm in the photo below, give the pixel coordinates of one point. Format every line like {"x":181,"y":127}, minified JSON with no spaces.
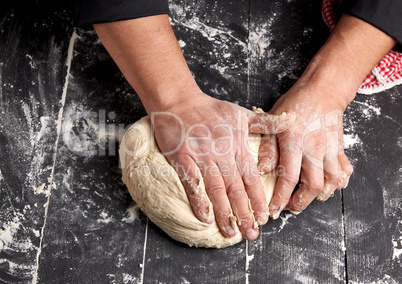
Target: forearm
{"x":349,"y":54}
{"x":147,"y":53}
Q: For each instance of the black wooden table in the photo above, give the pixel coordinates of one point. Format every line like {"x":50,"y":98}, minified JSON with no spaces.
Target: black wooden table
{"x":66,"y":217}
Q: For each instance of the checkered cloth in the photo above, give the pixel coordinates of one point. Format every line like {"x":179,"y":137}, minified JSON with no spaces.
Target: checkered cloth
{"x":386,"y":74}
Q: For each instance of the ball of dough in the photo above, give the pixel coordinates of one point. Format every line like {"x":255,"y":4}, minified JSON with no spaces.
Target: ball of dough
{"x":156,"y":188}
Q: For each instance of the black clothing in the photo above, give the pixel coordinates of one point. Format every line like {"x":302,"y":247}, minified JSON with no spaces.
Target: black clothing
{"x":102,"y":11}
{"x":383,"y":14}
{"x":386,"y":15}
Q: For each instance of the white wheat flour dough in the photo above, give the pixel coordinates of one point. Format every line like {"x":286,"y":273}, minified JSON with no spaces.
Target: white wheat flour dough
{"x":156,"y":188}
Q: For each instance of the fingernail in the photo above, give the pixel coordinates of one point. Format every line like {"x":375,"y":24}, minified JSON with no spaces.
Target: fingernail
{"x":322,"y":197}
{"x":207,"y":217}
{"x":261,"y":218}
{"x":263,"y":165}
{"x":272,"y":212}
{"x":344,"y":175}
{"x":229,"y":231}
{"x":347,"y":183}
{"x":328,"y":188}
{"x":292,"y":211}
{"x":275,"y":211}
{"x":251,"y":234}
{"x":276,"y":214}
{"x":325,"y":193}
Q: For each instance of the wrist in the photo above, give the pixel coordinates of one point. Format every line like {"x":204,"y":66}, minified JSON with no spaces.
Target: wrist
{"x":167,"y":98}
{"x":349,"y":54}
{"x":327,"y":76}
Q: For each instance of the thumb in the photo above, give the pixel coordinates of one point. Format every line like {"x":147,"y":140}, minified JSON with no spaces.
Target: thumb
{"x":265,"y":123}
{"x":268,"y":155}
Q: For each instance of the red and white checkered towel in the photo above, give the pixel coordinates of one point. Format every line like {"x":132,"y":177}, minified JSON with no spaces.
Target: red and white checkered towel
{"x":386,"y":74}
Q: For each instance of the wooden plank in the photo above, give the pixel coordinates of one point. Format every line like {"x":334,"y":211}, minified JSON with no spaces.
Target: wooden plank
{"x":213,"y":36}
{"x":33,"y":50}
{"x":307,"y":248}
{"x":373,"y":199}
{"x":168,"y":261}
{"x":89,"y":237}
{"x":284,"y":36}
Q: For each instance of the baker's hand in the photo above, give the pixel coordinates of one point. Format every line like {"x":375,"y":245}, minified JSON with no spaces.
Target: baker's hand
{"x":202,"y":138}
{"x":312,"y":149}
{"x":207,"y":139}
{"x":147,"y":52}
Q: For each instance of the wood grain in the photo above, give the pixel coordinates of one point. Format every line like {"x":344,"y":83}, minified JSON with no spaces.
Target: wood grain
{"x":89,"y":230}
{"x":32,"y":72}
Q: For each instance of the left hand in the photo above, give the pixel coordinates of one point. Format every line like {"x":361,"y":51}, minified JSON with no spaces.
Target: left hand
{"x":311,"y":148}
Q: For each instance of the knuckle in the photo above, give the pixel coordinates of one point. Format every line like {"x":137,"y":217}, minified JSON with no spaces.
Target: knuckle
{"x":181,"y":155}
{"x":223,"y":215}
{"x":298,"y":207}
{"x":251,"y":180}
{"x":315,"y":186}
{"x":235,"y":192}
{"x":216,"y":189}
{"x":318,"y":147}
{"x":260,"y":206}
{"x":315,"y":190}
{"x":297,"y":202}
{"x":345,"y":164}
{"x":349,"y":169}
{"x":334,"y":179}
{"x":291,"y":179}
{"x":339,"y":178}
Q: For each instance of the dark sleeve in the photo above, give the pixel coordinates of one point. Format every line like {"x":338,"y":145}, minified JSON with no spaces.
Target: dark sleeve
{"x":102,"y":11}
{"x":386,"y":15}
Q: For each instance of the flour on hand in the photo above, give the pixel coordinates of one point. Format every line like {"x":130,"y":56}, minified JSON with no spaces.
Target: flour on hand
{"x":156,"y":188}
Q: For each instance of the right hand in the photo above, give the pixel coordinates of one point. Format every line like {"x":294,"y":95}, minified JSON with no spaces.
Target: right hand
{"x":147,"y":52}
{"x":206,"y":138}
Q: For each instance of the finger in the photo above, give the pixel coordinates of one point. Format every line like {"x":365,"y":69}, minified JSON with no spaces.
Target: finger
{"x":346,"y":166}
{"x":343,"y":165}
{"x":268,"y":155}
{"x":265,"y":123}
{"x":216,"y":191}
{"x":331,"y":183}
{"x":289,"y":164}
{"x":347,"y":169}
{"x":248,"y":170}
{"x":239,"y":200}
{"x":312,"y":183}
{"x":333,"y":173}
{"x":191,"y":179}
